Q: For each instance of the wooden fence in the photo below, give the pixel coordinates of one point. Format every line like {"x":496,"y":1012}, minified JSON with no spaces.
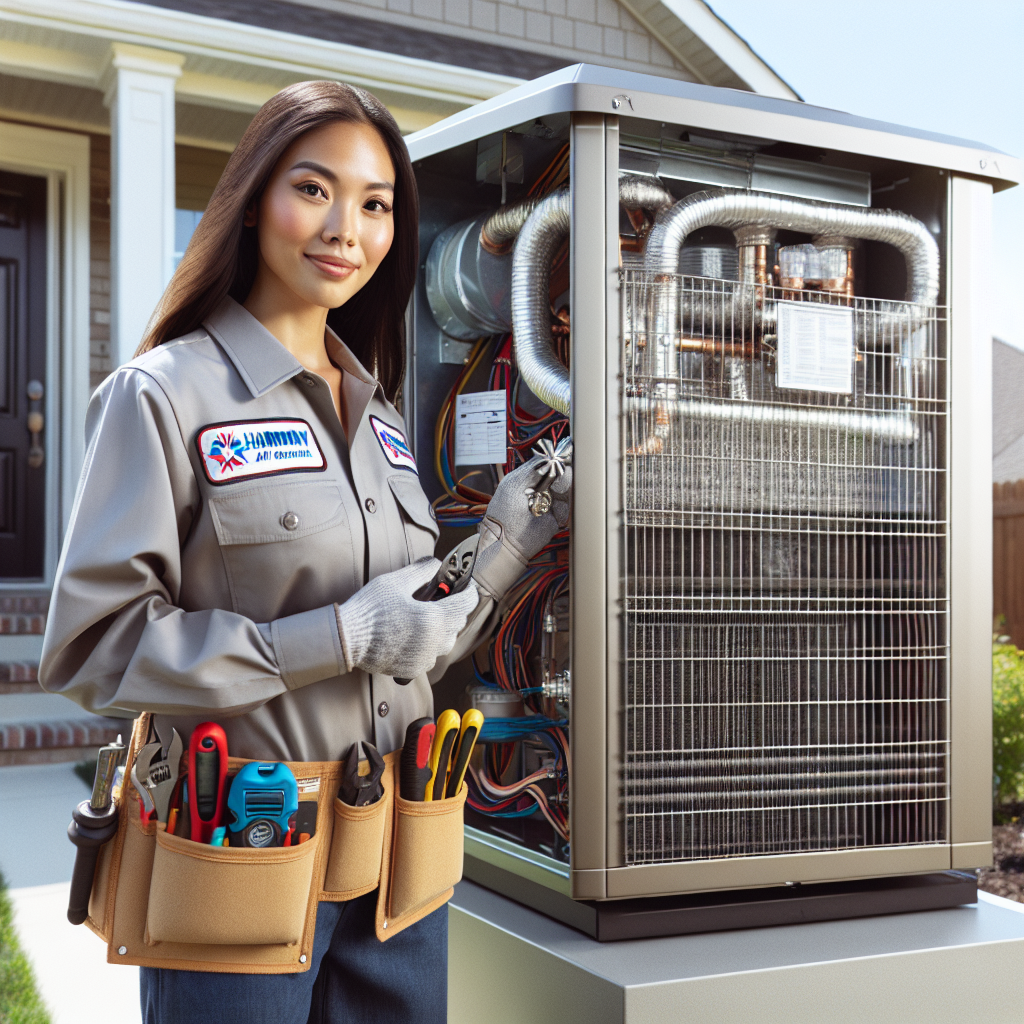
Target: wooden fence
{"x":1008,"y":554}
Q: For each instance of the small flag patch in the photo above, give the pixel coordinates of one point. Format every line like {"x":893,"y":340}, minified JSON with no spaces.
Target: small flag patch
{"x":393,"y":444}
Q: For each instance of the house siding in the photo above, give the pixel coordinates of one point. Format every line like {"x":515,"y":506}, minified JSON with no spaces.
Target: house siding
{"x":508,"y":41}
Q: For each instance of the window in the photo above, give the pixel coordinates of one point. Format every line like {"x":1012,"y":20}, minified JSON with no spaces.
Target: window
{"x":185,"y":222}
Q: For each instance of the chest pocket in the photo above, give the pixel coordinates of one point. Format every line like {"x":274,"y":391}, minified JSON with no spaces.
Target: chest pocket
{"x":421,"y":531}
{"x":287,"y":547}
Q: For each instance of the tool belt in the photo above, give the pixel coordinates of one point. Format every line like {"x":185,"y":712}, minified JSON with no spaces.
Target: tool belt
{"x":161,"y":900}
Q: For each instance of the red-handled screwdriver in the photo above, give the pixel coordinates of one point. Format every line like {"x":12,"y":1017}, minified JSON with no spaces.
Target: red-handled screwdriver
{"x":207,"y":771}
{"x":414,"y":767}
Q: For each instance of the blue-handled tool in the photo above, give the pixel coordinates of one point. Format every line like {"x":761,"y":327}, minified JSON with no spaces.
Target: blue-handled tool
{"x":262,"y":799}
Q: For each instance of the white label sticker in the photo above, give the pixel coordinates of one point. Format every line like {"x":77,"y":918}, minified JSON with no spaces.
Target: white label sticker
{"x":815,"y":347}
{"x":481,"y":434}
{"x":393,"y":444}
{"x":308,"y":785}
{"x":238,"y":451}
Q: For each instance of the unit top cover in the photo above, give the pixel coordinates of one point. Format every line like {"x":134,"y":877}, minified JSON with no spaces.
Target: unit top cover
{"x":589,"y":88}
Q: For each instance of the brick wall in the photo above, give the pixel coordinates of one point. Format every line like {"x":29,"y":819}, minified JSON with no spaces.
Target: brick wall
{"x":100,"y":363}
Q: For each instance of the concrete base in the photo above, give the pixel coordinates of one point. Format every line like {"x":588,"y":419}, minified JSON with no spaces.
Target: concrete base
{"x":509,"y":964}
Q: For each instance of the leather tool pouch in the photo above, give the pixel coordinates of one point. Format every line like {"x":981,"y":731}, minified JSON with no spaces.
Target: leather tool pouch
{"x":161,"y":900}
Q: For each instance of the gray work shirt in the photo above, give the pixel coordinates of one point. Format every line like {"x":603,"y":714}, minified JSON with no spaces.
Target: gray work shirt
{"x":222,"y":514}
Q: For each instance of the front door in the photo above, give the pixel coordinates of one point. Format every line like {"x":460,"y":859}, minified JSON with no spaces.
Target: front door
{"x":22,"y":375}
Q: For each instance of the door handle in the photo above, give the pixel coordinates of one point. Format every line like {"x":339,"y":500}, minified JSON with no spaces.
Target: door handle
{"x":35,"y":421}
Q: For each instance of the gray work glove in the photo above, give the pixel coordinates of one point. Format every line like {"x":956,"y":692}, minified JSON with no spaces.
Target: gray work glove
{"x":512,"y":532}
{"x":385,"y":630}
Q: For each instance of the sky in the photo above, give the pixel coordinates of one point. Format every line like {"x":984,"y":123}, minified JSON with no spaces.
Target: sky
{"x":940,"y":65}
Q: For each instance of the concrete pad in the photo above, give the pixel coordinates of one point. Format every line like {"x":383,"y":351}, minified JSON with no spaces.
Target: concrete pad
{"x":70,"y":963}
{"x":935,"y":967}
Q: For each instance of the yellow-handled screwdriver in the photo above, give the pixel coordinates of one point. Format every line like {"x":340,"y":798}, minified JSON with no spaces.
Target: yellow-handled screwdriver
{"x":441,"y":753}
{"x":472,"y":723}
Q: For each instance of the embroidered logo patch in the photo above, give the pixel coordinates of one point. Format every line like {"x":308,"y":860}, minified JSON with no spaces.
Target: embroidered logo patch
{"x":239,"y":451}
{"x":393,"y":444}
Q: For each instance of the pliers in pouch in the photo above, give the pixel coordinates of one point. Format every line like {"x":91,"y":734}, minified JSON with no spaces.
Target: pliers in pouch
{"x":360,"y":790}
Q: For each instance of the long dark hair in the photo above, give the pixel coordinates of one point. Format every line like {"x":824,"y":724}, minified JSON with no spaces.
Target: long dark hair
{"x":222,"y":256}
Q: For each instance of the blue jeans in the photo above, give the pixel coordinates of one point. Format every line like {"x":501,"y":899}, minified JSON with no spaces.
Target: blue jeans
{"x":354,"y":979}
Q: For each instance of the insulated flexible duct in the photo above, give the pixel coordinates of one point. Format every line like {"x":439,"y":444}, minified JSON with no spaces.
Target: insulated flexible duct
{"x":539,"y":238}
{"x":501,"y":227}
{"x":636,"y":192}
{"x":743,"y":211}
{"x":725,"y":209}
{"x":892,"y":426}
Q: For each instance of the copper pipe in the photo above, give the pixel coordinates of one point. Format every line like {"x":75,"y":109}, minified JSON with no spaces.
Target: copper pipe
{"x":754,"y":264}
{"x":710,"y":347}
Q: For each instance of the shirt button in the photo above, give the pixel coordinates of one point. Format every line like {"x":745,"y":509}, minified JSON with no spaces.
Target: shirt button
{"x":290,"y":521}
{"x":309,"y":381}
{"x":383,"y":709}
{"x":371,"y":505}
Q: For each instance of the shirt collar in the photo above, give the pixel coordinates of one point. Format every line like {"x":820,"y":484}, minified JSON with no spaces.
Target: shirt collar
{"x":260,"y":359}
{"x":357,"y":385}
{"x":263,"y":362}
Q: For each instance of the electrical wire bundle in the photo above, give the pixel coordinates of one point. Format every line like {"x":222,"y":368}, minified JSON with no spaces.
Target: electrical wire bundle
{"x":546,"y":578}
{"x":463,"y":504}
{"x":525,"y":429}
{"x":460,"y":505}
{"x":525,"y":797}
{"x":530,"y":600}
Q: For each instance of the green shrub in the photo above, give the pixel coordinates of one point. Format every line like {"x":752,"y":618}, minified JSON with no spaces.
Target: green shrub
{"x":19,"y":1000}
{"x":1007,"y":722}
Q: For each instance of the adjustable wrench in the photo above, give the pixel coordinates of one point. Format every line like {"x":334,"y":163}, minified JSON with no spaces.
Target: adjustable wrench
{"x":154,"y":775}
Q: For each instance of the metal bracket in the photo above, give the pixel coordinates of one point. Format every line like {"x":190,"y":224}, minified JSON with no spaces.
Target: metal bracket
{"x":454,"y":352}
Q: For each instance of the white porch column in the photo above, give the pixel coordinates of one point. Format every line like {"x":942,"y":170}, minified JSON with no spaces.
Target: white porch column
{"x":140,"y":94}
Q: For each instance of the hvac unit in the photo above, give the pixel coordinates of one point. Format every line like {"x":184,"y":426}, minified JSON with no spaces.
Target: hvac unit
{"x":752,"y":684}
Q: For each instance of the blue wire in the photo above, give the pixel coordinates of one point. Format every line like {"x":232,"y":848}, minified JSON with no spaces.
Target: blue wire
{"x":483,"y":680}
{"x":507,"y":814}
{"x":508,"y":730}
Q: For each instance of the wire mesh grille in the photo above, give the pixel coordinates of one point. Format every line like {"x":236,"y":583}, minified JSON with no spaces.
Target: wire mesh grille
{"x":784,"y":631}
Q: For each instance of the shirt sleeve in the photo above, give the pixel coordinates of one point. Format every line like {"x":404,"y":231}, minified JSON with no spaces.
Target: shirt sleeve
{"x":116,"y":642}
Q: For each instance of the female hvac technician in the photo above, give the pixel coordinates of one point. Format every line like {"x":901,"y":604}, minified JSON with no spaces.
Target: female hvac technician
{"x":250,"y":528}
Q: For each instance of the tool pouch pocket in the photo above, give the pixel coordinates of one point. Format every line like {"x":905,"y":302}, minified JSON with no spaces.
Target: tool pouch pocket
{"x":99,"y":895}
{"x":357,"y":848}
{"x":425,"y":861}
{"x":226,"y":895}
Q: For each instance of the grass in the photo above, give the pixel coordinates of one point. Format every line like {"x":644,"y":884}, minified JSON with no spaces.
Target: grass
{"x":19,"y":998}
{"x":1007,"y":723}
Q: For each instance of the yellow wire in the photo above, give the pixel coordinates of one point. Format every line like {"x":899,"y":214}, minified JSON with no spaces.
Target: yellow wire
{"x":446,"y":411}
